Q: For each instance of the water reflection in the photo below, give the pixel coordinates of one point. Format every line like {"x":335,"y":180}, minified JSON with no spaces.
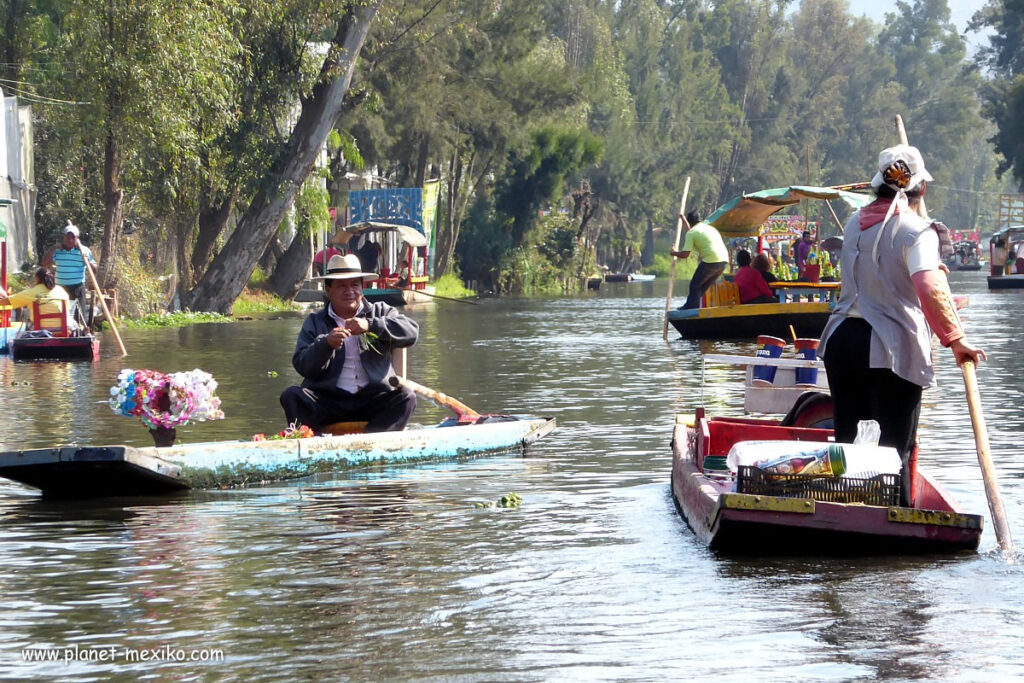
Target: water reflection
{"x":395,"y":573}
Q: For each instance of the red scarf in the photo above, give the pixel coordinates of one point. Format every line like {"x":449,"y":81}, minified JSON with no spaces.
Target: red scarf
{"x":874,"y":212}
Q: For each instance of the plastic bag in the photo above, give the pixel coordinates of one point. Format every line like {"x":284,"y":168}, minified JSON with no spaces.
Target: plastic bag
{"x":868,"y":433}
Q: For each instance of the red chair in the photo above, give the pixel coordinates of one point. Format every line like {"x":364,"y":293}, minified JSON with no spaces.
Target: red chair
{"x":38,"y":317}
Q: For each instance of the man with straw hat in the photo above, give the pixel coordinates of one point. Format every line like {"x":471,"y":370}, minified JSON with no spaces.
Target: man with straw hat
{"x":344,"y":356}
{"x":877,"y":342}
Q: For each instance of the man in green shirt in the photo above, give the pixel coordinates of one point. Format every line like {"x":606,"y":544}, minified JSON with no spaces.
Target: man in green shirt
{"x":714,"y":257}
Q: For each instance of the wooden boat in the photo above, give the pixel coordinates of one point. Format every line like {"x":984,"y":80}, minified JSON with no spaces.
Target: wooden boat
{"x":81,"y":347}
{"x":804,"y":305}
{"x":53,"y":343}
{"x":104,"y":471}
{"x":756,"y":516}
{"x":965,"y":256}
{"x":390,"y":237}
{"x":629,"y":277}
{"x":1010,"y":275}
{"x":7,"y":333}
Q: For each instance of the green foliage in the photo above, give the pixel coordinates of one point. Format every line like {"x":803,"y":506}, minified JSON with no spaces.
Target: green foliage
{"x":537,"y":178}
{"x":450,"y":285}
{"x":312,"y":209}
{"x":260,"y":301}
{"x":176,"y":319}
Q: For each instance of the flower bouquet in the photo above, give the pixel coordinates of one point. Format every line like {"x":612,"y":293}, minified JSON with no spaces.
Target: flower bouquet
{"x":293,"y":431}
{"x":165,"y":401}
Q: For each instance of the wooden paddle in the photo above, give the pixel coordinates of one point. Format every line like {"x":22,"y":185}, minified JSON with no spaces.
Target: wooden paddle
{"x":437,"y":296}
{"x":988,"y":474}
{"x":464,"y":412}
{"x":103,"y":302}
{"x":675,"y":247}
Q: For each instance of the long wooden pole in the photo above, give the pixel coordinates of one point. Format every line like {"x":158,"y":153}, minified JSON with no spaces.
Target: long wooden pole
{"x":988,"y":473}
{"x":103,"y":303}
{"x":455,"y":405}
{"x":437,"y":296}
{"x":675,"y":247}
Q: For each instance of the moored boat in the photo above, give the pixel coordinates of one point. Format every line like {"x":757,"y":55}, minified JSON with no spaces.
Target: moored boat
{"x":105,"y":471}
{"x":750,"y":512}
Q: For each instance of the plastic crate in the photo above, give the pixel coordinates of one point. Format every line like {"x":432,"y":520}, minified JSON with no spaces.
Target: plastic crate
{"x":881,"y":489}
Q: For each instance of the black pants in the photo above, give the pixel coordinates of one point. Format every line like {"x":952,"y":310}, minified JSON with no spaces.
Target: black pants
{"x":385,"y":410}
{"x":860,"y":392}
{"x":702,"y":279}
{"x":79,"y":294}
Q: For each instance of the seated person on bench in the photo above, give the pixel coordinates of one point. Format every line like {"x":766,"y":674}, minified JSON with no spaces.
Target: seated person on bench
{"x":750,"y":282}
{"x":49,"y":295}
{"x":344,"y":356}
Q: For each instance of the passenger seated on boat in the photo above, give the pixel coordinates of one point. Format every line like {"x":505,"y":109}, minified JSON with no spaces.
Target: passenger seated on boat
{"x":762,"y":263}
{"x":750,"y":282}
{"x":49,"y":295}
{"x":343,"y":353}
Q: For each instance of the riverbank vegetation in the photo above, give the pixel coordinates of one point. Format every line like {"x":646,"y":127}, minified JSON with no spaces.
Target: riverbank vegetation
{"x":196,"y":140}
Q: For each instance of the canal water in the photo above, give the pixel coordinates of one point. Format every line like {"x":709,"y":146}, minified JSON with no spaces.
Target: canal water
{"x":396,"y":574}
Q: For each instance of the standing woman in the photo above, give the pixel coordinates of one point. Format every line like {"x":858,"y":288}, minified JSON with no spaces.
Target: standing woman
{"x":877,"y":343}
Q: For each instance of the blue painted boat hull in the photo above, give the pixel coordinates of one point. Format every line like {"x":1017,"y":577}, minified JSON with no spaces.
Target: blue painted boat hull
{"x":106,"y":471}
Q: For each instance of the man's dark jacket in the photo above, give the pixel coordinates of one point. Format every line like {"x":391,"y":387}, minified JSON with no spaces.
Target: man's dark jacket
{"x":320,"y":365}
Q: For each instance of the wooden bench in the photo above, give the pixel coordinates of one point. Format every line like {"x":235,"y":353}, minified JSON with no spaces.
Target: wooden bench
{"x":722,"y":293}
{"x":38,"y":317}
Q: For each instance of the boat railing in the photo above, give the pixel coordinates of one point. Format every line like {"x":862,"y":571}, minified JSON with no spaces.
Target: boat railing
{"x":777,"y":397}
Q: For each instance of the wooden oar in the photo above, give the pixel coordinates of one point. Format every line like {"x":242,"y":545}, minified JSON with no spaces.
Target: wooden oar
{"x":988,"y":473}
{"x":437,"y":296}
{"x":458,"y":407}
{"x":103,"y":303}
{"x":675,"y":247}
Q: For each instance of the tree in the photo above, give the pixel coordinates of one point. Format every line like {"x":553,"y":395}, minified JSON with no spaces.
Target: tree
{"x":1004,"y":94}
{"x":124,"y":60}
{"x":231,"y":268}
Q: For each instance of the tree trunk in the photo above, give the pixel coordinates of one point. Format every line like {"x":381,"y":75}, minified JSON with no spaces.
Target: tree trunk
{"x":292,"y":268}
{"x":227,"y":275}
{"x":647,"y":255}
{"x":182,"y":232}
{"x":271,"y":255}
{"x":213,"y":216}
{"x":112,"y":211}
{"x":421,"y":161}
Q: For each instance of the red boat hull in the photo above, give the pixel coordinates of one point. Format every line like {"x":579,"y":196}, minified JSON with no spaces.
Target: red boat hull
{"x":738,"y":523}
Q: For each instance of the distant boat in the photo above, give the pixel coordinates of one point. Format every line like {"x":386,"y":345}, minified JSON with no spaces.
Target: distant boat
{"x":628,"y":277}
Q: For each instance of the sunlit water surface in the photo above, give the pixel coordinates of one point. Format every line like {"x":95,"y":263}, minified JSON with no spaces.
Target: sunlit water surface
{"x":394,"y":573}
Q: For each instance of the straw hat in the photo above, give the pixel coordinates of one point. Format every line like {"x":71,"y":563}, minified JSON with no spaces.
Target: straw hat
{"x":345,"y":267}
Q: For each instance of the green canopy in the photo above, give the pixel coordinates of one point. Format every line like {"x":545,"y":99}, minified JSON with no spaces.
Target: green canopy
{"x":744,"y":215}
{"x":1006,"y":233}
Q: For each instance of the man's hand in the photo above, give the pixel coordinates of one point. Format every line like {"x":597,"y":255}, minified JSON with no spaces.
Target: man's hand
{"x":337,"y":337}
{"x":357,"y":325}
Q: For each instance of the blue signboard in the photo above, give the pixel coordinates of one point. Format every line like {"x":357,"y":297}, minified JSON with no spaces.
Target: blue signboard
{"x":402,"y":206}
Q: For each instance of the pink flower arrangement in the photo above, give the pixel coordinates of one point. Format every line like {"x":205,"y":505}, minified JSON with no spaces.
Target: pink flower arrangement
{"x":166,"y":400}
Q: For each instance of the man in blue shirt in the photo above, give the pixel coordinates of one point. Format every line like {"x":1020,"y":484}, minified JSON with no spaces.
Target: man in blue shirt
{"x":66,"y":260}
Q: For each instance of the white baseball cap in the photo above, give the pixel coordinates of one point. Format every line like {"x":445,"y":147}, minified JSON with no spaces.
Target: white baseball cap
{"x":70,"y":228}
{"x":891,"y":173}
